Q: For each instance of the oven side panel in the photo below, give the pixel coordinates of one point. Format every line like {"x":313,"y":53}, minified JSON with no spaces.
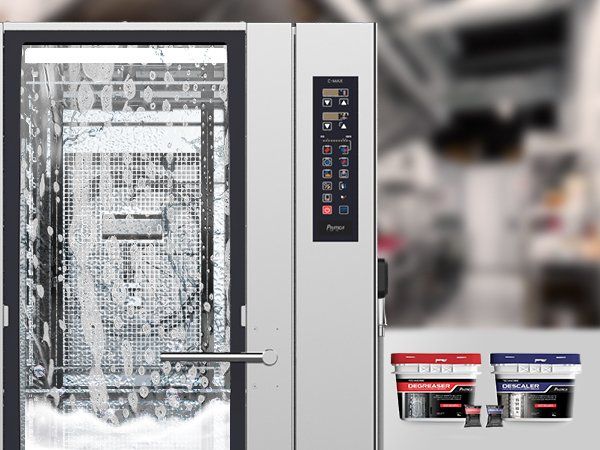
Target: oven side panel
{"x":336,"y":346}
{"x":269,"y":235}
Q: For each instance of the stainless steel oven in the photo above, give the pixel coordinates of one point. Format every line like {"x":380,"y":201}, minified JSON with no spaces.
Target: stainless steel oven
{"x":189,"y":236}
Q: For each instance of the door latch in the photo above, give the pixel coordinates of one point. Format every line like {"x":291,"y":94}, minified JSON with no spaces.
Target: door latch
{"x":382,"y":291}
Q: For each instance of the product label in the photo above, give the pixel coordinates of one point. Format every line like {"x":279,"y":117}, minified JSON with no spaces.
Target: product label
{"x":434,"y":386}
{"x":536,"y":399}
{"x":533,"y":385}
{"x":435,"y":398}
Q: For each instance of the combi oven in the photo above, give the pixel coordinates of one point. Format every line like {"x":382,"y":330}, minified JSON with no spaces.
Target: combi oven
{"x":189,"y":236}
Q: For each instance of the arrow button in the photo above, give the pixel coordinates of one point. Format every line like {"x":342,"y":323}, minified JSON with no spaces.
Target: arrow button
{"x":326,"y":126}
{"x":327,"y":102}
{"x":344,"y":102}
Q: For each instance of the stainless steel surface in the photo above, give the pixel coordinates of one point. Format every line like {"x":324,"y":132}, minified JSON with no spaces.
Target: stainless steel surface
{"x":336,"y":307}
{"x":270,"y":234}
{"x":268,"y":357}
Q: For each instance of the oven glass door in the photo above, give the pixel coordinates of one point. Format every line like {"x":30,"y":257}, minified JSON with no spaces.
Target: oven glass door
{"x":124,"y":249}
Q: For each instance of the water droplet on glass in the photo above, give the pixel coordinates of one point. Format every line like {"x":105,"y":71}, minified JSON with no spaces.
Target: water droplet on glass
{"x":85,"y":97}
{"x":99,"y":72}
{"x":106,"y":98}
{"x":160,"y":411}
{"x":144,"y":391}
{"x":129,"y":88}
{"x":173,"y":397}
{"x":39,"y":372}
{"x":204,"y":382}
{"x":148,"y":94}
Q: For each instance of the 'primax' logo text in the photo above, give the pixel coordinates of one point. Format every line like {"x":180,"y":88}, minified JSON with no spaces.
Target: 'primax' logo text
{"x":335,"y":228}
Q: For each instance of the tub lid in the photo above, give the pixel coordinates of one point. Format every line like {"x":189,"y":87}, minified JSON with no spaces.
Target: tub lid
{"x":535,"y":358}
{"x":436,"y":358}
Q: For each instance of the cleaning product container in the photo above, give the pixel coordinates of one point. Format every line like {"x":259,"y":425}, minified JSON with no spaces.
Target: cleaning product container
{"x":536,"y":386}
{"x":435,"y":386}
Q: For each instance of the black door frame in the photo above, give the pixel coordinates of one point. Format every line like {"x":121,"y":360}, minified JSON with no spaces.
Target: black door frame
{"x":236,"y":61}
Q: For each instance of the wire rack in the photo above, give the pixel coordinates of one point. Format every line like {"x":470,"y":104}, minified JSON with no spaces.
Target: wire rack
{"x":147,"y":290}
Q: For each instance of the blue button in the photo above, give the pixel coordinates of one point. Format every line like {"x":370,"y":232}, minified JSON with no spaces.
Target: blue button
{"x":344,"y":210}
{"x":327,"y":174}
{"x":327,"y":162}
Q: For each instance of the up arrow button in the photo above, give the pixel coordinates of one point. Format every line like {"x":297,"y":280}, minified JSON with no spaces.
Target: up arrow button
{"x":344,"y":102}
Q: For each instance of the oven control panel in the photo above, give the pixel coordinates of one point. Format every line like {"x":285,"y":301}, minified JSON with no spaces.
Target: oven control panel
{"x":335,"y":159}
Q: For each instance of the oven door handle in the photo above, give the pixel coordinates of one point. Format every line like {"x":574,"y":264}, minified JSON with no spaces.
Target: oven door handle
{"x":268,"y":357}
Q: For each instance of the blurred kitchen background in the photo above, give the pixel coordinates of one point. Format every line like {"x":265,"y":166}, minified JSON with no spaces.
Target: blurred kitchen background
{"x":489,"y":136}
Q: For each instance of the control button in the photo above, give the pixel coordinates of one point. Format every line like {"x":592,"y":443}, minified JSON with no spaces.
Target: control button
{"x":344,"y":173}
{"x":343,"y":126}
{"x":327,"y":150}
{"x":344,"y":161}
{"x":345,"y":149}
{"x":344,"y":101}
{"x":327,"y":210}
{"x":327,"y":186}
{"x":344,"y":210}
{"x":327,"y":174}
{"x":343,"y":186}
{"x":343,"y":197}
{"x":327,"y":198}
{"x":328,"y":162}
{"x":343,"y":92}
{"x":327,"y":102}
{"x":326,"y":126}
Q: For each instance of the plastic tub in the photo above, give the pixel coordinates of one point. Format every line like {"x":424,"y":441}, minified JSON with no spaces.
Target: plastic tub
{"x":536,"y":386}
{"x":435,"y":386}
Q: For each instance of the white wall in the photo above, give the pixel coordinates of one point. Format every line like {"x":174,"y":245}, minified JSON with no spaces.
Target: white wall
{"x":492,"y":207}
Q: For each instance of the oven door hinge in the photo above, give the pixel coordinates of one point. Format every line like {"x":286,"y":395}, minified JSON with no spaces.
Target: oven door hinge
{"x":243,"y":316}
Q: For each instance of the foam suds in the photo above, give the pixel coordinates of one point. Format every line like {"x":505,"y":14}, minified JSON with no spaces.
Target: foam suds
{"x":49,"y":429}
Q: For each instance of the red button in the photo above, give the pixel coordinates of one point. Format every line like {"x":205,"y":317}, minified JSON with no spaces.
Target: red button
{"x":327,"y":210}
